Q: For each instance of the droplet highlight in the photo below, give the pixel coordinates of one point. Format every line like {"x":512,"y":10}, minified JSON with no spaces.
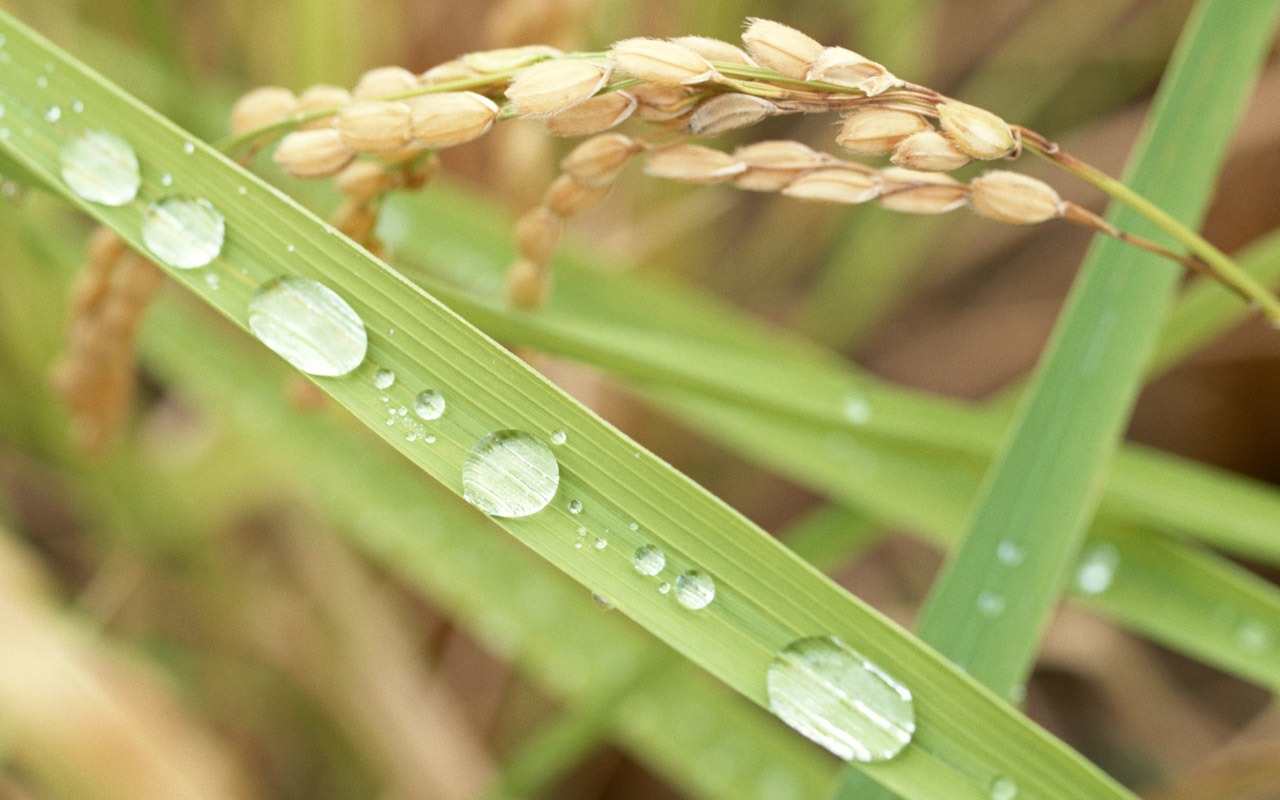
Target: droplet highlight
{"x":1009,"y":553}
{"x":575,"y":506}
{"x":510,"y":474}
{"x":309,"y":325}
{"x":559,"y":437}
{"x":429,"y":405}
{"x":990,"y":604}
{"x":1097,"y":568}
{"x":1003,"y":789}
{"x":383,"y":379}
{"x":53,"y":114}
{"x":832,"y":695}
{"x":695,"y":590}
{"x":100,"y":167}
{"x":857,"y":410}
{"x":183,"y":232}
{"x":649,"y":560}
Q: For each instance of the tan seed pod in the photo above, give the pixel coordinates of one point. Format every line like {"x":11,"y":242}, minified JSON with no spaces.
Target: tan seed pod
{"x":313,"y":154}
{"x":420,"y":173}
{"x":451,"y":118}
{"x":404,"y":154}
{"x":780,"y":48}
{"x":912,"y":192}
{"x":660,"y":103}
{"x":375,"y":126}
{"x":779,"y":154}
{"x":715,"y":50}
{"x":385,"y":81}
{"x":847,"y":68}
{"x":600,"y":159}
{"x":728,"y":112}
{"x":929,"y":151}
{"x":661,"y":62}
{"x":487,"y":62}
{"x":322,"y":97}
{"x":356,"y":220}
{"x":528,"y":285}
{"x":261,"y":107}
{"x":600,"y":113}
{"x":364,"y":180}
{"x":538,"y":234}
{"x":447,"y":72}
{"x":874,"y":131}
{"x":1014,"y":198}
{"x":834,"y":185}
{"x":567,"y":198}
{"x":976,"y":131}
{"x":758,"y":179}
{"x":552,"y":86}
{"x":692,"y":163}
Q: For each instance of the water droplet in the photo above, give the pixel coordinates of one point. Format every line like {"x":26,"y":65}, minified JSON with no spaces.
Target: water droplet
{"x":990,"y":604}
{"x":695,"y":590}
{"x":649,"y":560}
{"x":600,"y":543}
{"x":183,"y":232}
{"x":188,"y":148}
{"x":429,"y":404}
{"x":212,"y":280}
{"x":559,"y":437}
{"x":635,"y":526}
{"x":309,"y":325}
{"x":575,"y":506}
{"x":383,"y":378}
{"x":53,"y":114}
{"x":663,"y":588}
{"x":100,"y":167}
{"x":1254,"y":635}
{"x":1009,"y":553}
{"x":77,"y":107}
{"x":1003,"y":789}
{"x":1097,"y":568}
{"x":828,"y":692}
{"x":242,"y":191}
{"x":431,"y":439}
{"x":857,"y":410}
{"x":510,"y":474}
{"x":290,"y":248}
{"x":166,"y":179}
{"x":42,"y":82}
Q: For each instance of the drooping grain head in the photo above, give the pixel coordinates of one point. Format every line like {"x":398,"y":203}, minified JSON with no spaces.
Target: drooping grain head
{"x":661,"y":62}
{"x":1014,"y":198}
{"x":874,"y":131}
{"x":976,"y":131}
{"x":834,"y":185}
{"x":929,"y":151}
{"x":549,"y":87}
{"x":780,"y":48}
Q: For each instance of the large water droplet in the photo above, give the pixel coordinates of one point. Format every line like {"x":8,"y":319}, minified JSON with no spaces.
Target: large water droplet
{"x":309,"y":325}
{"x":1003,"y":789}
{"x":1097,"y":568}
{"x":429,"y":404}
{"x":383,"y":379}
{"x":510,"y":474}
{"x":100,"y":167}
{"x":827,"y":691}
{"x":649,"y":559}
{"x":183,"y":232}
{"x":695,"y":590}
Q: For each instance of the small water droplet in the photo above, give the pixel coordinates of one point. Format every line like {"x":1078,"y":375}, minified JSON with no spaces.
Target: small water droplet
{"x":242,"y":191}
{"x":431,"y":439}
{"x":429,"y":404}
{"x":401,"y":411}
{"x":1009,"y":553}
{"x":42,"y":82}
{"x":857,"y":410}
{"x":188,"y":148}
{"x":990,"y":604}
{"x":1003,"y":789}
{"x":664,"y":588}
{"x":166,"y":179}
{"x":383,"y":378}
{"x":1097,"y":568}
{"x":559,"y":437}
{"x":1254,"y":635}
{"x":605,"y":603}
{"x":834,"y":696}
{"x":53,"y":114}
{"x":290,"y":248}
{"x":649,"y":559}
{"x":212,"y":280}
{"x":510,"y":474}
{"x":635,"y":526}
{"x":695,"y":590}
{"x":77,"y":107}
{"x":575,"y":506}
{"x":309,"y":325}
{"x":183,"y":232}
{"x":100,"y":167}
{"x":391,"y":331}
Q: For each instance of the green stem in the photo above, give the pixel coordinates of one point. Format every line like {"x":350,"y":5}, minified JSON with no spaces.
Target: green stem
{"x":1223,"y":267}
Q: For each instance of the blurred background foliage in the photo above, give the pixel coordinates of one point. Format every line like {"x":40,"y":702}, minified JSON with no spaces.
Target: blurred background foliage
{"x":238,"y":601}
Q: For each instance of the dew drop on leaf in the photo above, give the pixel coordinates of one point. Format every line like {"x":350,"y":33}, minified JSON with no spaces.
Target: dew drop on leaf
{"x":695,"y":590}
{"x":1097,"y":568}
{"x":309,"y":325}
{"x":383,"y":378}
{"x":429,"y":404}
{"x":510,"y":474}
{"x":649,"y":559}
{"x":831,"y":694}
{"x":1003,"y":789}
{"x":183,"y":232}
{"x":100,"y":167}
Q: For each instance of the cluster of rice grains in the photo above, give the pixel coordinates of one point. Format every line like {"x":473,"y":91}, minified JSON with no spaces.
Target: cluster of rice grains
{"x":382,"y":136}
